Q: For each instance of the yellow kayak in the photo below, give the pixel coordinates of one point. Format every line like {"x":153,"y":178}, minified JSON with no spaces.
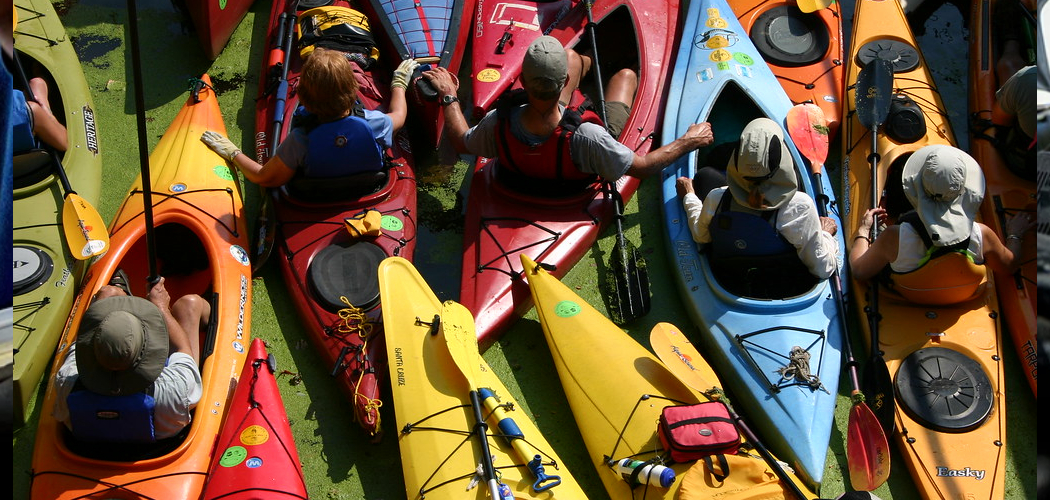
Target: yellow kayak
{"x":439,"y":454}
{"x":617,"y":390}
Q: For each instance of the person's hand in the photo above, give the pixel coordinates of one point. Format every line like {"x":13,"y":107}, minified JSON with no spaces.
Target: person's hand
{"x":828,"y":224}
{"x":158,"y":295}
{"x":442,"y":80}
{"x":1019,"y":224}
{"x":220,"y":145}
{"x":864,"y":228}
{"x":403,"y":73}
{"x":684,"y":185}
{"x":701,"y":134}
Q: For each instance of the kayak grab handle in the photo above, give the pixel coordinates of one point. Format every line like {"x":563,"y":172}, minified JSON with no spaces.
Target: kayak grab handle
{"x":510,"y":431}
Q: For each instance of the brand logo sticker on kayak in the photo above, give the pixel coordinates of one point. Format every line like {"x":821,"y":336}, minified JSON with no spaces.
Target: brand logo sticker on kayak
{"x":391,"y":223}
{"x":178,"y":187}
{"x":90,"y":136}
{"x":714,"y":19}
{"x":223,"y":171}
{"x":239,"y":254}
{"x":967,"y":472}
{"x":253,"y":463}
{"x":488,"y":75}
{"x":567,"y":309}
{"x":254,"y":435}
{"x":233,"y":455}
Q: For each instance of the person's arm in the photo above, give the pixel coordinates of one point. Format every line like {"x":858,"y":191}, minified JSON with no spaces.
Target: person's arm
{"x":867,"y":258}
{"x":48,"y":128}
{"x":697,"y":136}
{"x":274,"y":173}
{"x":1005,"y":257}
{"x":812,"y":236}
{"x":455,"y":123}
{"x":698,"y":218}
{"x":177,"y":337}
{"x":397,"y":109}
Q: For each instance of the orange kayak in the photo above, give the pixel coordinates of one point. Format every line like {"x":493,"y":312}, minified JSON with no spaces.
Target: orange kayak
{"x":803,"y":50}
{"x":1006,"y":194}
{"x":945,"y":361}
{"x":201,"y":237}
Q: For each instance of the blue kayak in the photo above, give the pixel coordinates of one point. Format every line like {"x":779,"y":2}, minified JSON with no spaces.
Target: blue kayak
{"x":719,"y":77}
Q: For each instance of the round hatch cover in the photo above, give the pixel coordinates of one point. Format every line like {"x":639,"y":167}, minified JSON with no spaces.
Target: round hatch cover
{"x":944,"y":389}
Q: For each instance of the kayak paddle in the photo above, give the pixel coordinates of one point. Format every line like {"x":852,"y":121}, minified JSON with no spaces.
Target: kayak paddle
{"x":682,"y":359}
{"x":457,"y":326}
{"x":808,"y":6}
{"x":140,"y":115}
{"x":85,"y":232}
{"x":512,"y":433}
{"x":867,"y":450}
{"x":873,"y":93}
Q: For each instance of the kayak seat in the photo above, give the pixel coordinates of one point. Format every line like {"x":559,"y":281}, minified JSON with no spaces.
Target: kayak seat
{"x":765,"y":277}
{"x":944,"y":390}
{"x":788,"y":37}
{"x":335,"y":189}
{"x":346,"y":270}
{"x":31,"y":167}
{"x":124,"y":452}
{"x":948,"y":279}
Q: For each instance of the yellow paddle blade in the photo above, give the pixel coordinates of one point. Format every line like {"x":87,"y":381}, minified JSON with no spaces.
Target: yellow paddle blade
{"x":86,"y":234}
{"x":682,"y":359}
{"x":808,"y":6}
{"x":457,"y":326}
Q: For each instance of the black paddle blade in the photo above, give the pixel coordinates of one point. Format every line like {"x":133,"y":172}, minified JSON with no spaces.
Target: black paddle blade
{"x":874,"y":90}
{"x":877,"y":387}
{"x":627,"y":285}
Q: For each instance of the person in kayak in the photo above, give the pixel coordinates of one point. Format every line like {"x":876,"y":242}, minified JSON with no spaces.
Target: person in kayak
{"x":330,"y":127}
{"x":575,"y":148}
{"x":133,"y":374}
{"x":945,"y":186}
{"x":765,"y":214}
{"x":32,"y":120}
{"x":1014,"y":119}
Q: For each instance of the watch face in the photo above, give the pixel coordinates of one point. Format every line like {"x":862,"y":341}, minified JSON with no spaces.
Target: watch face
{"x":449,"y":99}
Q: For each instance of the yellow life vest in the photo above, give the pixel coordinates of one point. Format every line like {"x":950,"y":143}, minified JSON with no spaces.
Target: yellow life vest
{"x":336,"y":27}
{"x":947,"y":279}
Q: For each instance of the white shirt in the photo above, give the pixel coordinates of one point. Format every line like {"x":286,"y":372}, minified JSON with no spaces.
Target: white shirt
{"x":797,"y":222}
{"x":176,"y":391}
{"x":911,"y":250}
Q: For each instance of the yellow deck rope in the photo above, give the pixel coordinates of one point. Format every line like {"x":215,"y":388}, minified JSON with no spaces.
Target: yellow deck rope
{"x":355,"y":321}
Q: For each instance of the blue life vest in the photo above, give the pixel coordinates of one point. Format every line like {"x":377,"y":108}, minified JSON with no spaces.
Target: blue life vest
{"x":111,"y":419}
{"x":22,"y":138}
{"x":342,"y":147}
{"x":740,"y":234}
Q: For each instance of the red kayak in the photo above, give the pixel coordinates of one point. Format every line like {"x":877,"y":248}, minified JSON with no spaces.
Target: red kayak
{"x":256,"y":455}
{"x":504,"y":221}
{"x":331,"y":274}
{"x":216,"y":21}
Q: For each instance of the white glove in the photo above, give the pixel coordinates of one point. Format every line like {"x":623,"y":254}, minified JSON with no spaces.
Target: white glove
{"x":403,"y":73}
{"x":220,"y":145}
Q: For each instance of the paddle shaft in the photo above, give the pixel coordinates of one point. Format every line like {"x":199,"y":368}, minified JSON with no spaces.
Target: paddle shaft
{"x":599,"y":85}
{"x":481,"y":430}
{"x":526,"y":452}
{"x":140,"y":115}
{"x":286,"y":36}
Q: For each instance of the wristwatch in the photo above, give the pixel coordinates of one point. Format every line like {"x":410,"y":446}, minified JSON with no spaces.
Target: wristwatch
{"x":448,"y":99}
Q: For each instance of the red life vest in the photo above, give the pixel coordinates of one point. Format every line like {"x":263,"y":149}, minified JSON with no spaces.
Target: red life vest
{"x":550,"y":160}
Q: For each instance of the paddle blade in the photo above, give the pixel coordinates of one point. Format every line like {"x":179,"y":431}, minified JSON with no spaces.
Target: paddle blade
{"x":878,"y":391}
{"x":628,"y":292}
{"x":808,"y":6}
{"x":867,"y":450}
{"x":809,"y":131}
{"x":874,"y":90}
{"x":457,"y":326}
{"x":681,"y":358}
{"x":86,"y":234}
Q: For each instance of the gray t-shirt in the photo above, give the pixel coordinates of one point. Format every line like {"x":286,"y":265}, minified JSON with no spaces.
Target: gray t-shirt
{"x":176,"y":391}
{"x":592,"y":149}
{"x":1017,"y":97}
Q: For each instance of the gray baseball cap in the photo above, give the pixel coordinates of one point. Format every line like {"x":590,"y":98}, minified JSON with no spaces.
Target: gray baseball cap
{"x":545,"y":66}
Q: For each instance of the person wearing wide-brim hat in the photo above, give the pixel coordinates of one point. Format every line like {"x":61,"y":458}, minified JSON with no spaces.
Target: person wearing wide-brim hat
{"x":761,"y":179}
{"x":127,"y":345}
{"x":522,"y":132}
{"x":945,"y":186}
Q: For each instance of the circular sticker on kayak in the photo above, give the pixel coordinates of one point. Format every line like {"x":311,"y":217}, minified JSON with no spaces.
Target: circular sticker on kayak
{"x":716,"y":22}
{"x":567,"y":309}
{"x":488,"y":75}
{"x":237,"y":346}
{"x":743,"y":58}
{"x":239,"y":254}
{"x":233,"y":455}
{"x":254,"y":435}
{"x":223,"y":172}
{"x":253,"y":463}
{"x":178,"y":187}
{"x":391,"y":223}
{"x":721,"y":55}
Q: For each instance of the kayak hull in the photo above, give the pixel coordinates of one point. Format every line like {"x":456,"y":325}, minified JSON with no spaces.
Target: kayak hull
{"x":503,"y":221}
{"x":1006,"y":194}
{"x":46,"y":275}
{"x":305,"y":228}
{"x":748,"y":340}
{"x":944,"y":454}
{"x":216,"y":21}
{"x":201,"y":239}
{"x":437,"y":461}
{"x":256,"y":455}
